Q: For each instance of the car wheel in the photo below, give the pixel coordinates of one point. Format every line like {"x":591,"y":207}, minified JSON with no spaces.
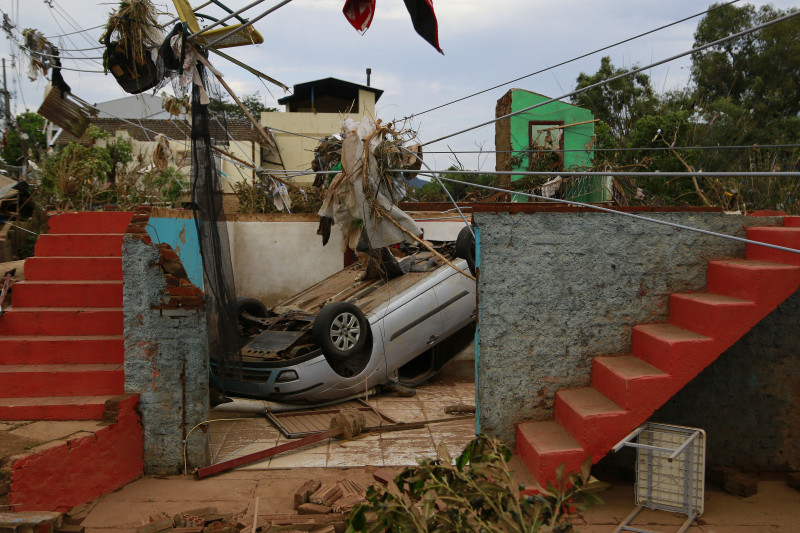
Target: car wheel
{"x":340,"y":330}
{"x":251,"y":306}
{"x":465,"y":247}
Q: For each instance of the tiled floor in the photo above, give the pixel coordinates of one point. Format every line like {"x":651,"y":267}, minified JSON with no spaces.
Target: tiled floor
{"x":243,"y":436}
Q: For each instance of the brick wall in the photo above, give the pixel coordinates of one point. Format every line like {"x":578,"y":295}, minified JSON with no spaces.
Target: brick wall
{"x":166,"y":352}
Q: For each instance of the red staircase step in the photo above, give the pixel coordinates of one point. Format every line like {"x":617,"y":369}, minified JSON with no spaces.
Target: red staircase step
{"x":630,"y":382}
{"x":713,"y":315}
{"x":38,"y":350}
{"x":90,"y":222}
{"x":61,"y":321}
{"x":761,"y":281}
{"x":53,"y":408}
{"x":68,"y":294}
{"x":545,"y":445}
{"x":79,"y":245}
{"x":73,"y":268}
{"x":32,"y":381}
{"x":791,"y":222}
{"x":781,"y":236}
{"x":674,"y":350}
{"x":592,"y":419}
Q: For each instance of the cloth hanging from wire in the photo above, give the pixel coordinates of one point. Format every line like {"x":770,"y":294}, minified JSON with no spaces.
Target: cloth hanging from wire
{"x":359,"y":13}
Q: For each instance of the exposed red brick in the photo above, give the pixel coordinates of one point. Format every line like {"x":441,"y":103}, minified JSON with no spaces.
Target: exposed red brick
{"x":183,"y":291}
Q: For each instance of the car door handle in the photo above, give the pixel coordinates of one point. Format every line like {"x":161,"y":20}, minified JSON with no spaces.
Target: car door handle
{"x":432,"y":339}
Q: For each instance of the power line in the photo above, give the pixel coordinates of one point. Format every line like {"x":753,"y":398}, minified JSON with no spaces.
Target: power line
{"x":621,"y":76}
{"x":574,"y":173}
{"x":571,"y":60}
{"x":627,"y":149}
{"x":75,"y":32}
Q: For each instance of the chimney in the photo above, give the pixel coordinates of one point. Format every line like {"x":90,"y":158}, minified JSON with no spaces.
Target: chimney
{"x":369,"y":73}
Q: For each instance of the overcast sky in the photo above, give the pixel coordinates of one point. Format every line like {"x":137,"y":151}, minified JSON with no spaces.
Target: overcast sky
{"x":486,"y":42}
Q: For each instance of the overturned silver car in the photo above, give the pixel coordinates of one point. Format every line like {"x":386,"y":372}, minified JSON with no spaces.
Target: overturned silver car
{"x":355,"y":331}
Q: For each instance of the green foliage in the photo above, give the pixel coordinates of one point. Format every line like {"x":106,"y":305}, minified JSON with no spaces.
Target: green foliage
{"x":433,"y":192}
{"x":99,"y":172}
{"x":474,"y":492}
{"x":252,"y":102}
{"x":619,"y":103}
{"x":33,"y":140}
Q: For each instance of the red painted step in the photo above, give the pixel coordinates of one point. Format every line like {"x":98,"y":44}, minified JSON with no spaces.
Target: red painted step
{"x":672,"y":349}
{"x":712,"y":315}
{"x":73,"y":268}
{"x":107,"y":222}
{"x":788,"y":237}
{"x":26,"y":381}
{"x":53,"y":408}
{"x":592,"y":419}
{"x":545,"y":445}
{"x":68,"y":294}
{"x":77,"y":245}
{"x":62,"y":321}
{"x":791,"y":222}
{"x":70,"y":349}
{"x":630,"y":382}
{"x":760,"y":281}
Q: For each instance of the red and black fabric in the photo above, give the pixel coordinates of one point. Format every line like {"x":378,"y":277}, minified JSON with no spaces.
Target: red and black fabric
{"x":424,"y":19}
{"x":359,"y":13}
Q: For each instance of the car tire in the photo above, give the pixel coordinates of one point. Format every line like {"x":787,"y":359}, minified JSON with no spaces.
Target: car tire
{"x":251,"y":306}
{"x":465,"y":247}
{"x":340,"y":331}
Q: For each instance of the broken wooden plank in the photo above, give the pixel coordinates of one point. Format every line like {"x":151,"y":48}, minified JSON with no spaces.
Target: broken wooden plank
{"x":313,"y":508}
{"x":301,"y":495}
{"x":326,"y":494}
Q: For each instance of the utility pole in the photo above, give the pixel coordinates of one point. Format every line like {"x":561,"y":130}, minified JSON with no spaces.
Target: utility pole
{"x":6,"y":98}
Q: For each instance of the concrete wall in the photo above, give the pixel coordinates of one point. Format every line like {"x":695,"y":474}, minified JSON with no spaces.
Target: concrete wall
{"x":297,"y":151}
{"x":557,"y":289}
{"x":166,"y":359}
{"x":275,"y":255}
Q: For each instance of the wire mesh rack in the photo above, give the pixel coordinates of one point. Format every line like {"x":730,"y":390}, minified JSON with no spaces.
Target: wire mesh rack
{"x":670,"y":471}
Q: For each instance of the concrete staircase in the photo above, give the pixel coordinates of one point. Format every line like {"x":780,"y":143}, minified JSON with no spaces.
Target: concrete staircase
{"x":626,"y":389}
{"x":61,"y":345}
{"x":61,"y":359}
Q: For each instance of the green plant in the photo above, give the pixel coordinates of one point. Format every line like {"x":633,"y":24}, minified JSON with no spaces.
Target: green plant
{"x":474,"y":492}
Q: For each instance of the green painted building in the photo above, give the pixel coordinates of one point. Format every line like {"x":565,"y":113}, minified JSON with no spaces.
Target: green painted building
{"x":556,"y":136}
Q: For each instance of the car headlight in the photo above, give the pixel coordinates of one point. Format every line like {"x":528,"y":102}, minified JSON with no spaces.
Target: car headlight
{"x":286,"y":376}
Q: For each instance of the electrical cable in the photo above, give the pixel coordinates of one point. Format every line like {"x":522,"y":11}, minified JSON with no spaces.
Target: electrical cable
{"x":624,"y":75}
{"x":653,"y":148}
{"x":573,"y":59}
{"x":657,"y":173}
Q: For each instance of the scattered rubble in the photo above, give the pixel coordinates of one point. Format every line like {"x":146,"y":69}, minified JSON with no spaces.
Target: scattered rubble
{"x":732,"y":481}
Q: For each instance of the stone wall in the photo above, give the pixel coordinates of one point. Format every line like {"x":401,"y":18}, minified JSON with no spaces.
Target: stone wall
{"x":748,"y":400}
{"x":558,"y":288}
{"x":166,"y":351}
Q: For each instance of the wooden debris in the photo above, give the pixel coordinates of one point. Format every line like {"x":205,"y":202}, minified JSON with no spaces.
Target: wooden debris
{"x":350,"y":487}
{"x":382,"y":476}
{"x":313,"y":508}
{"x":302,"y":494}
{"x":326,"y":494}
{"x":157,"y":527}
{"x":733,"y":482}
{"x":459,"y":409}
{"x":346,"y":503}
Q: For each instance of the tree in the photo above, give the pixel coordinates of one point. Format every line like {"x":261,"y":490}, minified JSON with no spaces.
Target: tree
{"x":619,"y":103}
{"x":252,"y":102}
{"x":30,"y":125}
{"x":760,"y":71}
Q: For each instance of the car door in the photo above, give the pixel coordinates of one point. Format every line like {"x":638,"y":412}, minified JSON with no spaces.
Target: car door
{"x":456,"y":297}
{"x":412,"y":324}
